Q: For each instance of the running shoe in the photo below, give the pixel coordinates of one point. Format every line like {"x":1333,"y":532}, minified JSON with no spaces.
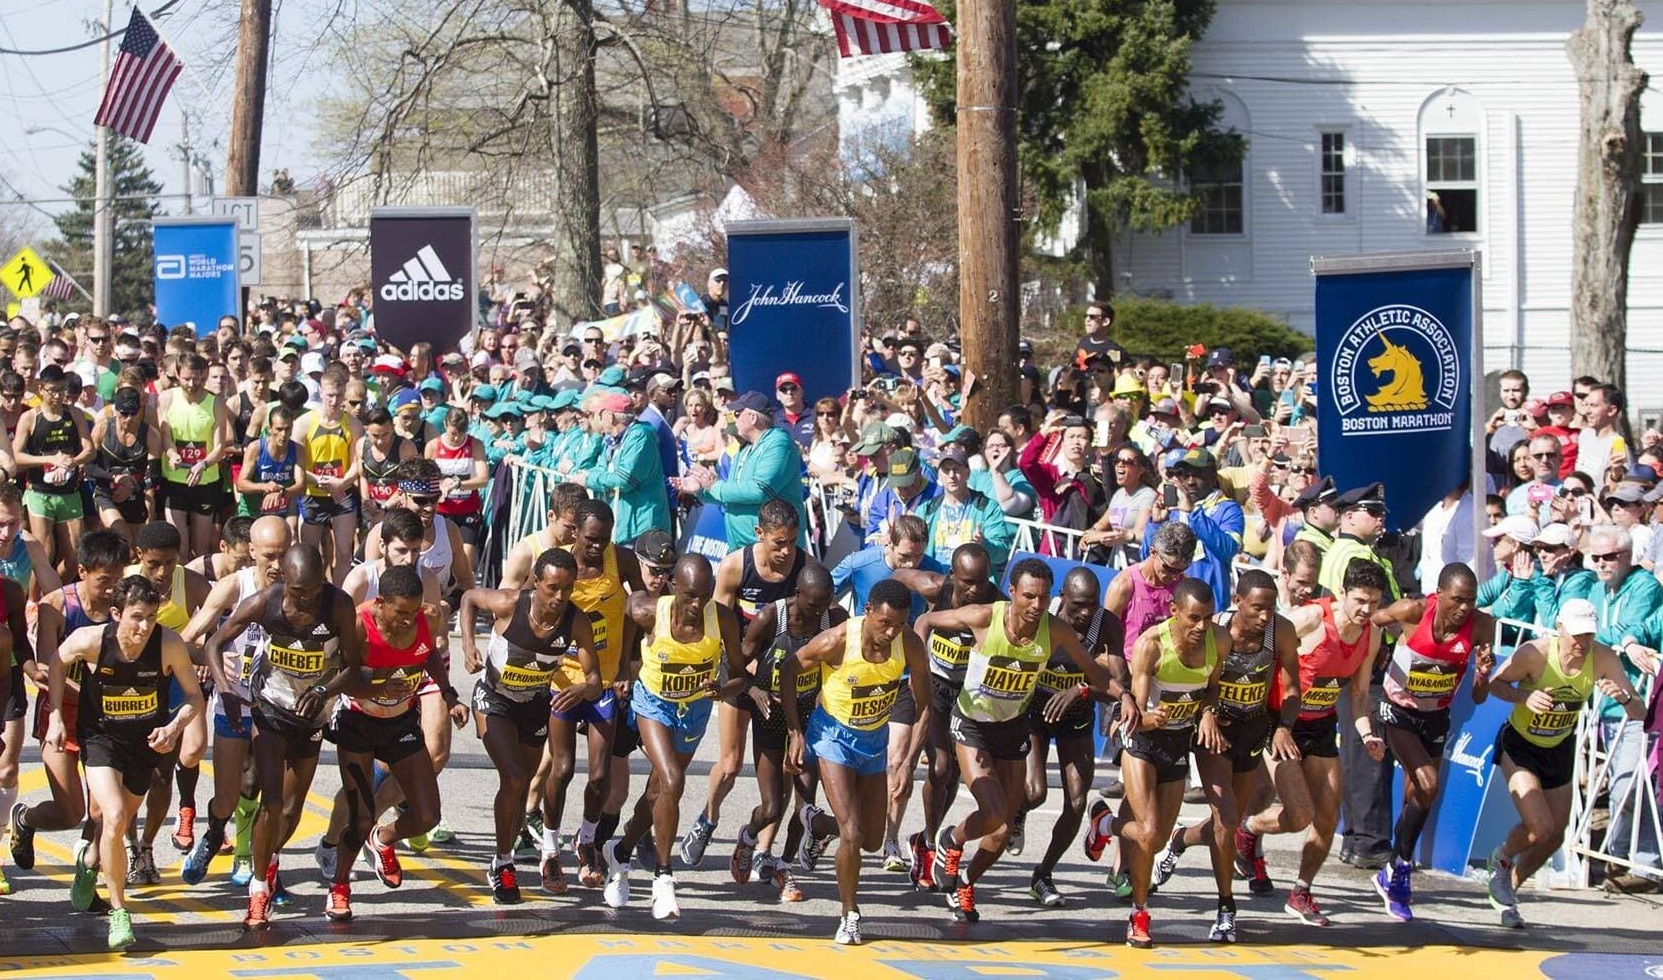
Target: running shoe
{"x":328,"y":859}
{"x":121,"y":929}
{"x":20,"y":839}
{"x":554,"y":876}
{"x":1392,"y":884}
{"x":962,"y":900}
{"x":1502,"y":894}
{"x":1247,"y":848}
{"x":259,"y":911}
{"x":1018,"y":825}
{"x":694,"y":842}
{"x":84,"y":888}
{"x":945,"y":870}
{"x":1511,"y":918}
{"x":893,"y":860}
{"x":786,"y":882}
{"x":1045,"y":892}
{"x":419,"y":843}
{"x":505,"y":883}
{"x":242,"y":870}
{"x":196,"y":863}
{"x":848,"y":929}
{"x":1259,"y":882}
{"x":1167,"y":862}
{"x":664,"y":905}
{"x":280,"y":897}
{"x":1303,"y":907}
{"x":1224,"y":928}
{"x":147,"y":866}
{"x":1137,"y":930}
{"x":589,"y":872}
{"x":1097,"y":830}
{"x":1120,"y":883}
{"x":339,"y":905}
{"x":441,"y":833}
{"x":383,"y":859}
{"x":739,"y":865}
{"x":616,"y":892}
{"x":184,"y":829}
{"x":923,"y":863}
{"x":814,"y":844}
{"x":135,"y":867}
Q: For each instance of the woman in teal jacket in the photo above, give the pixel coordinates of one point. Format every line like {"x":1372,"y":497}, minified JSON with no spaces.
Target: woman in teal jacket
{"x":630,"y":477}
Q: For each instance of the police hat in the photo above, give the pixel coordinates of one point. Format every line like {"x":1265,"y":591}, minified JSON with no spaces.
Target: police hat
{"x":1317,"y":493}
{"x":1371,"y":497}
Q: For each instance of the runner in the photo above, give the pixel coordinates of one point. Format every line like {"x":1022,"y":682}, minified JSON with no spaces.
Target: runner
{"x":690,"y":637}
{"x":269,"y":540}
{"x":604,"y":570}
{"x":779,"y":631}
{"x":1014,"y":641}
{"x":126,"y":444}
{"x":1548,"y":681}
{"x":271,"y":476}
{"x":533,"y":631}
{"x":747,"y":581}
{"x":860,"y":664}
{"x":1080,"y":607}
{"x":232,"y":557}
{"x":967,"y":583}
{"x":461,"y":461}
{"x":1261,"y":642}
{"x":329,"y":438}
{"x":376,"y":721}
{"x":1337,"y":647}
{"x":311,"y":653}
{"x":51,"y":446}
{"x":1449,"y":635}
{"x":122,"y":724}
{"x":561,"y":532}
{"x":196,"y":435}
{"x":24,"y":561}
{"x":379,"y":455}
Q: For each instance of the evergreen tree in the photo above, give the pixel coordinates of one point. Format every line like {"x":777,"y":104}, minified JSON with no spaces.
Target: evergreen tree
{"x":1103,"y":100}
{"x":134,"y":189}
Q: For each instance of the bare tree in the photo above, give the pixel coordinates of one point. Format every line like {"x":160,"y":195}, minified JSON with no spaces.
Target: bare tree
{"x":1607,"y":187}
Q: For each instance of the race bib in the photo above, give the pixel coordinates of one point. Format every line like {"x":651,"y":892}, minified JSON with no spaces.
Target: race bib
{"x":683,"y":681}
{"x":948,"y":652}
{"x":332,"y":469}
{"x":1322,"y":696}
{"x":191,"y":453}
{"x":129,"y":705}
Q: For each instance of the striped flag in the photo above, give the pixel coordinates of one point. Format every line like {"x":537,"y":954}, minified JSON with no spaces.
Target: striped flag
{"x":887,"y":26}
{"x":143,"y":74}
{"x":63,"y":286}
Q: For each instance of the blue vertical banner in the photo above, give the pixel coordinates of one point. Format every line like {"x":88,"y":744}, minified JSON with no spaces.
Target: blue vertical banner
{"x":196,"y":271}
{"x":794,"y":304}
{"x":1398,"y":355}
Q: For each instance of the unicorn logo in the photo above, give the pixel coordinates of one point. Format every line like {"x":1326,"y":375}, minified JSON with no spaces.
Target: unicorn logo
{"x":1406,"y":389}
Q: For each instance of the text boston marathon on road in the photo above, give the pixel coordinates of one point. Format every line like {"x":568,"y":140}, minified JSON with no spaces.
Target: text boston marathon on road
{"x":792,"y":295}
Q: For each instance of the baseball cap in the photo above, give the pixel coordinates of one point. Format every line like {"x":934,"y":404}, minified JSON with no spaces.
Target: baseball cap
{"x":484,"y":393}
{"x":567,"y":398}
{"x":1628,"y":493}
{"x":1221,"y":357}
{"x":755,"y":401}
{"x":1166,"y":406}
{"x":788,"y":378}
{"x":1536,"y":407}
{"x":432,"y":384}
{"x":1577,"y":617}
{"x":1561,"y":399}
{"x":903,"y":469}
{"x":1195,"y":459}
{"x":402,"y":399}
{"x":723,"y":383}
{"x":953,"y":454}
{"x":311,"y":363}
{"x":1518,"y":527}
{"x":874,"y":437}
{"x":570,"y":349}
{"x":656,"y":547}
{"x":663,"y":382}
{"x":390,"y":364}
{"x":611,"y":377}
{"x":1555,"y":535}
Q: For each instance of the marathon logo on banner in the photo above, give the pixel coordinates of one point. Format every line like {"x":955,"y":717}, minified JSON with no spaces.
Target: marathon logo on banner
{"x":1396,"y":370}
{"x":195,"y":271}
{"x":422,"y":271}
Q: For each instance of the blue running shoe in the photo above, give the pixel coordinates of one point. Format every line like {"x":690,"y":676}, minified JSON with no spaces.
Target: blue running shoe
{"x":1392,"y":883}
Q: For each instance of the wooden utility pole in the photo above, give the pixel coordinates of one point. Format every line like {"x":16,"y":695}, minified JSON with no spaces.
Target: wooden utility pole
{"x":248,"y":103}
{"x":1607,"y":210}
{"x":989,"y":305}
{"x":575,"y":245}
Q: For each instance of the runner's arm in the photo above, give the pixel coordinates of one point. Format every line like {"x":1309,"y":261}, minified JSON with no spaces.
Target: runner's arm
{"x":926,"y":584}
{"x":1119,"y":597}
{"x":1521,"y":668}
{"x":498,"y":602}
{"x":727,"y":622}
{"x":728,"y":572}
{"x":825,"y":650}
{"x":1287,"y":670}
{"x":1146,"y":656}
{"x":1483,"y":644}
{"x":245,"y":616}
{"x":223,"y":440}
{"x":516,"y":568}
{"x":46,"y":576}
{"x":1099,"y":683}
{"x":176,"y":661}
{"x":220,"y":598}
{"x":918,"y":672}
{"x":1362,"y":712}
{"x":629,"y":568}
{"x":974,"y":618}
{"x":1400,"y":613}
{"x":461,"y":567}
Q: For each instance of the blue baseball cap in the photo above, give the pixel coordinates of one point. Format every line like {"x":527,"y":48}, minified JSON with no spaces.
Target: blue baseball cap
{"x":402,"y":399}
{"x":433,"y":385}
{"x":612,"y":377}
{"x":486,"y":393}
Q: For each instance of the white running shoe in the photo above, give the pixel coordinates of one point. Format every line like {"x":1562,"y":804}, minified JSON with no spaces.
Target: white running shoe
{"x":616,"y":892}
{"x":848,"y":930}
{"x":664,"y":904}
{"x":328,"y":859}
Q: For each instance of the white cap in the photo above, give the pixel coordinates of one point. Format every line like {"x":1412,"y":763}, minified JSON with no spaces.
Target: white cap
{"x":311,"y":362}
{"x":899,"y":420}
{"x":1555,"y":535}
{"x":1520,"y":529}
{"x":1577,"y":617}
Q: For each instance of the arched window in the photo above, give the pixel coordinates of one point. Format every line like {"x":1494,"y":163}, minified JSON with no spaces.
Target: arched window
{"x":1451,"y":124}
{"x":1222,"y":187}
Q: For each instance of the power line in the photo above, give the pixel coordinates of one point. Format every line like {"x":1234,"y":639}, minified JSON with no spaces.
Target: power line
{"x":159,"y":11}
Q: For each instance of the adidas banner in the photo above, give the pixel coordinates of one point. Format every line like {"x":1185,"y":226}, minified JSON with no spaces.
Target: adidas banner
{"x":195,"y":269}
{"x":422,"y":272}
{"x":1398,"y":366}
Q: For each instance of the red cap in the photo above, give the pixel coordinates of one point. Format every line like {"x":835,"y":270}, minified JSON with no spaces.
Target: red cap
{"x":788,"y":378}
{"x":1560,"y":398}
{"x":1536,"y":408}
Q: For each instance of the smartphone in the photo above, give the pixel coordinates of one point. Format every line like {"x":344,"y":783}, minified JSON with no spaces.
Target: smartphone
{"x":935,"y":362}
{"x":1585,"y":508}
{"x":1254,"y":432}
{"x":1264,"y":361}
{"x":1169,"y":496}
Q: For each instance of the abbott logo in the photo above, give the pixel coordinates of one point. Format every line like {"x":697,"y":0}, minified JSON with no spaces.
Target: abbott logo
{"x":171,"y":266}
{"x":423,"y":278}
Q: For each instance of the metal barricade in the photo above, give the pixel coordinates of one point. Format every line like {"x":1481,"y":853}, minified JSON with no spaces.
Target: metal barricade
{"x":1037,"y":536}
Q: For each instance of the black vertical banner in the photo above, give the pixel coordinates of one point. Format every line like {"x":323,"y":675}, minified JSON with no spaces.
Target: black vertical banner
{"x":423,"y":274}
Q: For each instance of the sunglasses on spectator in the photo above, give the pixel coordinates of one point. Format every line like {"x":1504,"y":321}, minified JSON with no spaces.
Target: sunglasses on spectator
{"x":788,"y":387}
{"x":1609,"y":556}
{"x":826,"y":415}
{"x":1610,"y":502}
{"x":1175,"y":566}
{"x":656,"y":571}
{"x":98,"y":338}
{"x":909,"y":352}
{"x":355,"y":402}
{"x":1126,"y":461}
{"x":424,"y":500}
{"x":1544,"y":455}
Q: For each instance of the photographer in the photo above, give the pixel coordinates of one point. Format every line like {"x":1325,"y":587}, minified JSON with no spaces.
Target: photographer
{"x":1191,"y":496}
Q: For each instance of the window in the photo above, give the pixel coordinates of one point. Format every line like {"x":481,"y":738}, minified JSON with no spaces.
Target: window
{"x":1451,"y":184}
{"x":1651,"y":180}
{"x":1219,"y":186}
{"x":1333,"y":173}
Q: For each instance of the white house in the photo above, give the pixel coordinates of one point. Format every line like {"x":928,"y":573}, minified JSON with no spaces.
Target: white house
{"x":1356,"y":115}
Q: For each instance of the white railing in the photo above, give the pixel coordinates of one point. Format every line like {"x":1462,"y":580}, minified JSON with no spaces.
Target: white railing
{"x":528,"y":502}
{"x":1064,"y":542}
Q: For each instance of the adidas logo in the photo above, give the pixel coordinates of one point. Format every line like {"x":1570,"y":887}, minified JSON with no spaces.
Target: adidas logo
{"x":423,"y":278}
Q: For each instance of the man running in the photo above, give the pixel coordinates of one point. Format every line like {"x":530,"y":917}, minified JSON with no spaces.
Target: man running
{"x":122,"y":725}
{"x":377,"y":721}
{"x":533,"y":631}
{"x":747,"y":581}
{"x":196,"y":435}
{"x":1548,"y":681}
{"x":1099,"y":630}
{"x":329,"y":438}
{"x":269,"y":540}
{"x":311,"y":652}
{"x":779,"y":631}
{"x":860,"y":664}
{"x":689,"y":638}
{"x":1448,"y":636}
{"x":1260,"y":643}
{"x":1014,"y":640}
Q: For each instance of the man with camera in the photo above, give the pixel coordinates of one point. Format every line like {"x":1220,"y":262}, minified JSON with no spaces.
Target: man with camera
{"x":1526,"y":499}
{"x":1191,"y":496}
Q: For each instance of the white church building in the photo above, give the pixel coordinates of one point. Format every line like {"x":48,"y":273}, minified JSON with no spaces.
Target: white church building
{"x":1383,"y":127}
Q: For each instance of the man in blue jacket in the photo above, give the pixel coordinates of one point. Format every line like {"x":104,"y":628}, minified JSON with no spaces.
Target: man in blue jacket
{"x":768,"y":467}
{"x":1215,"y":518}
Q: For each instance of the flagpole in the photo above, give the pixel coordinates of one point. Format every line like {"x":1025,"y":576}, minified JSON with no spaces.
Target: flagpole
{"x":103,"y":219}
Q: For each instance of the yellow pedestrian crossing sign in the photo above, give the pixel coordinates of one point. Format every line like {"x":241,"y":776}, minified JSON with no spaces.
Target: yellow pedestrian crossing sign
{"x":26,"y":273}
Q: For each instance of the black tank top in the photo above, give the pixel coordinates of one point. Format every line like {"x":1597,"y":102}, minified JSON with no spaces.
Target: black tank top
{"x":755,"y":592}
{"x":382,"y":474}
{"x":786,"y":644}
{"x":46,"y":437}
{"x":243,"y":416}
{"x":949,"y":650}
{"x":122,"y":460}
{"x":1244,"y":679}
{"x":519,"y":664}
{"x":124,"y":699}
{"x":296,"y":658}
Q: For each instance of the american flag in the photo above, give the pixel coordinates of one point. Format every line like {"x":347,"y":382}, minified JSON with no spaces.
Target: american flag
{"x":143,"y":74}
{"x":887,"y":26}
{"x":63,"y":286}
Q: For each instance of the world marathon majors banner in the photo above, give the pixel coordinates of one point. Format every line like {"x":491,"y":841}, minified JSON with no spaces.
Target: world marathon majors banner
{"x":194,"y":263}
{"x":423,"y":270}
{"x":794,"y":304}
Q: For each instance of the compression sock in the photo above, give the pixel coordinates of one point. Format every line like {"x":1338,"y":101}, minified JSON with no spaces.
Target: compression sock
{"x":244,"y":815}
{"x":1409,"y":825}
{"x":605,"y":827}
{"x":186,"y":780}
